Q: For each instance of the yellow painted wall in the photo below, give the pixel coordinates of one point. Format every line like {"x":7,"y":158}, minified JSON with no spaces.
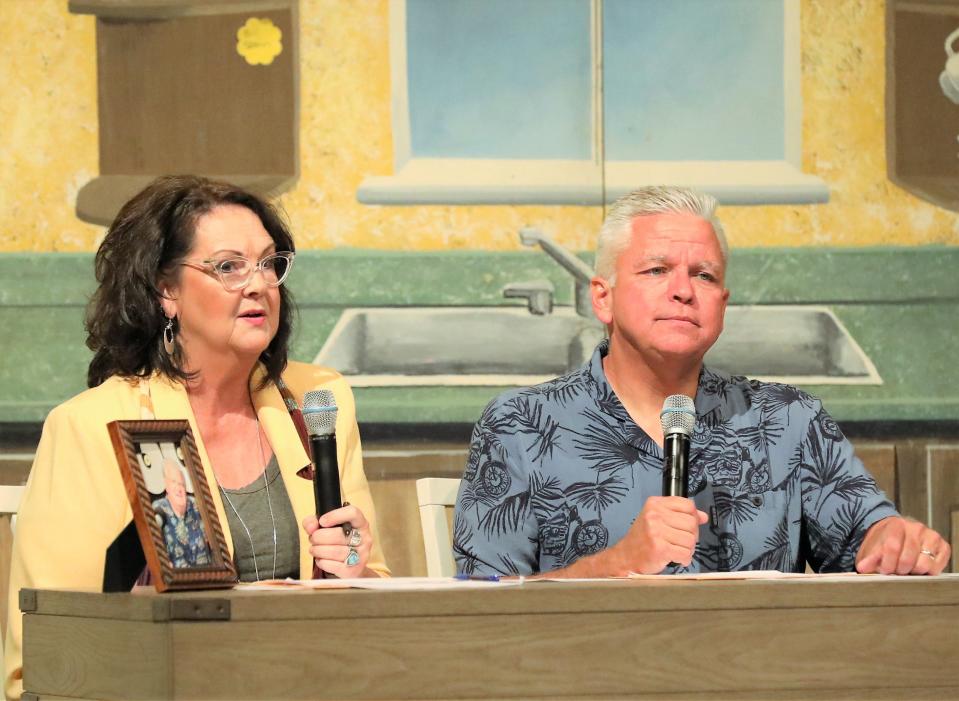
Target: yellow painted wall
{"x":48,"y":125}
{"x":48,"y":141}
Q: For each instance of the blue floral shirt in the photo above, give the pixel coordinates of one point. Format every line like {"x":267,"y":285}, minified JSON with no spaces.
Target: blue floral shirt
{"x":559,"y":471}
{"x":184,"y":537}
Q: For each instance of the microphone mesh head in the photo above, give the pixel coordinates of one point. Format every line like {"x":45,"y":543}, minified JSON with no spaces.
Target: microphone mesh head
{"x":678,"y":414}
{"x":319,"y":412}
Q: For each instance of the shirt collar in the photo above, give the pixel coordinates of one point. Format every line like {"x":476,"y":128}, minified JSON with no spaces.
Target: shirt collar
{"x":712,"y":407}
{"x":603,"y":392}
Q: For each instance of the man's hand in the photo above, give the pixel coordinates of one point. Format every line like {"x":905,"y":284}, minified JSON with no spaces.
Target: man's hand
{"x":666,"y":530}
{"x":899,"y":545}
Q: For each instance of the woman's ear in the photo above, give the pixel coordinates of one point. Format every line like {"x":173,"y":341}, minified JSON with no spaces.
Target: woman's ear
{"x":168,"y":301}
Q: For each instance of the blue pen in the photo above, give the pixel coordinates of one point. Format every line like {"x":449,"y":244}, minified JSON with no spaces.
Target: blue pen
{"x":476,"y":577}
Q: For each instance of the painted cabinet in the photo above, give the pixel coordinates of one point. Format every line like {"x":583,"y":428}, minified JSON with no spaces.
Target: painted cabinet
{"x":192,"y":86}
{"x":922,"y":98}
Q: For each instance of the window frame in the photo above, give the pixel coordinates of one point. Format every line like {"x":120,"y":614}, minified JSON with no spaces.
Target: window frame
{"x":471,"y":181}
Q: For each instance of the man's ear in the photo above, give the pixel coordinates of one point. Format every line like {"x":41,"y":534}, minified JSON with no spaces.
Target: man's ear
{"x":725,"y":306}
{"x":601,"y":293}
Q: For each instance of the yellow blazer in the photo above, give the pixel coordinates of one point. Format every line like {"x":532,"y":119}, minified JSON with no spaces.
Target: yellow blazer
{"x":75,"y":503}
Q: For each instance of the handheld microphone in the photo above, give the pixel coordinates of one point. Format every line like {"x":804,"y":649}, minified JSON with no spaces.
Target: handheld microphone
{"x":319,"y":413}
{"x":678,"y":419}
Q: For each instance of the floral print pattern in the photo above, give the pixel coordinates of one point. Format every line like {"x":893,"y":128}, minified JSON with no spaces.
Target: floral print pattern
{"x":185,"y":541}
{"x":560,"y":471}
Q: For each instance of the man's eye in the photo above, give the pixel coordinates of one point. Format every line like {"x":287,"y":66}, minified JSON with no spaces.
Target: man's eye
{"x":658,"y":270}
{"x":708,"y":277}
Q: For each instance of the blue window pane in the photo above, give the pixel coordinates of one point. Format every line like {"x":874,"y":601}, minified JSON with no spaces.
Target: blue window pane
{"x":499,"y":78}
{"x":693,"y":79}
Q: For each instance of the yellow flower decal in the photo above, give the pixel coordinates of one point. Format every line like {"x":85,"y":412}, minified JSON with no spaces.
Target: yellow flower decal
{"x":259,"y":41}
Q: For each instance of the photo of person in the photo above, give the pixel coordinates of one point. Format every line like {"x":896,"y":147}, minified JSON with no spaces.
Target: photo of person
{"x":180,"y":519}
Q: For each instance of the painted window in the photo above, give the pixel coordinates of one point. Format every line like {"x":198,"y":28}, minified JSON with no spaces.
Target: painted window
{"x":580,"y":101}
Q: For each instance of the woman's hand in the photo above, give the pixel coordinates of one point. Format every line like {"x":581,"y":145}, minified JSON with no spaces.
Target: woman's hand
{"x":341,"y":542}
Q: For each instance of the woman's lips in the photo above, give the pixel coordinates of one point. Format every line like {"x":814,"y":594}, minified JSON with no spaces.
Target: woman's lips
{"x":254,"y":318}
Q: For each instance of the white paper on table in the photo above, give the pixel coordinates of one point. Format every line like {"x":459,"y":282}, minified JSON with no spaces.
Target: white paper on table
{"x":293,"y":584}
{"x":430,"y":583}
{"x":381,"y":584}
{"x":792,"y":576}
{"x":687,"y":576}
{"x":746,"y":574}
{"x":451,"y":583}
{"x":760,"y":575}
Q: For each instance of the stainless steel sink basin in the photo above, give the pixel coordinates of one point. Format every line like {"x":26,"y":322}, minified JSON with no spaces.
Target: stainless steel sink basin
{"x":393,"y":346}
{"x":798,"y":345}
{"x":457,"y":345}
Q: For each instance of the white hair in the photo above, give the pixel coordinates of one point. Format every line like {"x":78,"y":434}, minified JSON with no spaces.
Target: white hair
{"x":172,"y":468}
{"x":617,"y":229}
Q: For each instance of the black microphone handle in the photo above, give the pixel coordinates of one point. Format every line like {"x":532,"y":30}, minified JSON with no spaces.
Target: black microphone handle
{"x":676,"y":448}
{"x":326,"y":477}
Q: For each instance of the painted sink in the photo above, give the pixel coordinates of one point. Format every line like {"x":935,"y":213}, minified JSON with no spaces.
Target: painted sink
{"x":497,"y":346}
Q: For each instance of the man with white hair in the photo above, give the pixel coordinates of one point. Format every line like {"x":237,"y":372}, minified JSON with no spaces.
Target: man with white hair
{"x":182,"y":524}
{"x":566,"y":477}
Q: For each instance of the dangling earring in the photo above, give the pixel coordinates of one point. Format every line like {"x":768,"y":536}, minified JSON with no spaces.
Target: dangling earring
{"x":168,"y":337}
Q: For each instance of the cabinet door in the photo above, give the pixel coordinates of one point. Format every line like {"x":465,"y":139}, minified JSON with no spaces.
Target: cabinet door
{"x":942,"y":463}
{"x":880,"y":460}
{"x":922,"y":98}
{"x":193,"y":86}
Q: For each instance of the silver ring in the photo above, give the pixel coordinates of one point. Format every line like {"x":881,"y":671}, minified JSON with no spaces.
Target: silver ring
{"x":352,"y":558}
{"x":930,"y":553}
{"x":355,"y":538}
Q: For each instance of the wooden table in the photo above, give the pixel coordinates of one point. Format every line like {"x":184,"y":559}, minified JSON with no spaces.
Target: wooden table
{"x":789,"y":639}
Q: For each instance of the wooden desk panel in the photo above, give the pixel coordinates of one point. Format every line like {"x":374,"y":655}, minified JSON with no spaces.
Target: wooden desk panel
{"x":718,"y":640}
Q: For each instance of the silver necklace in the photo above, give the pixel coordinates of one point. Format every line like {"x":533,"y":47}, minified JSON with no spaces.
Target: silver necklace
{"x":269,"y":503}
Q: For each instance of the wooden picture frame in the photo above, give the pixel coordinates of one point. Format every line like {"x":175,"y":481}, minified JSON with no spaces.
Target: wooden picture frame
{"x":182,"y":539}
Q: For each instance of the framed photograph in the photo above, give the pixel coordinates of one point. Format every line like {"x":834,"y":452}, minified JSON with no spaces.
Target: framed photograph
{"x":175,"y":518}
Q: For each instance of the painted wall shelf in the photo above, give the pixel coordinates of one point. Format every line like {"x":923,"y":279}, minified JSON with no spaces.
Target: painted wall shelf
{"x":170,"y":9}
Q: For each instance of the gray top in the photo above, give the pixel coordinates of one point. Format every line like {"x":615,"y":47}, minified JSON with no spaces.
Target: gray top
{"x":254,"y":513}
{"x":560,"y":470}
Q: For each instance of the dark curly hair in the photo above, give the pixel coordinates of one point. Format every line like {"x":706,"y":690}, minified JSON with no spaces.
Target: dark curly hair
{"x":150,"y":237}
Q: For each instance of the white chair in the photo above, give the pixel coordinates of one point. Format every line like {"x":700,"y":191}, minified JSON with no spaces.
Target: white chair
{"x":10,"y":496}
{"x":435,"y":495}
{"x":9,"y":504}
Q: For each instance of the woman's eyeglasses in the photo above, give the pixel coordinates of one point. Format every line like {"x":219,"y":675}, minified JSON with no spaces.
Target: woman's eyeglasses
{"x":236,"y":273}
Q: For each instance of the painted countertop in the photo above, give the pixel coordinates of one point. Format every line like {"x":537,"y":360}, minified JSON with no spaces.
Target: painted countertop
{"x":900,"y":304}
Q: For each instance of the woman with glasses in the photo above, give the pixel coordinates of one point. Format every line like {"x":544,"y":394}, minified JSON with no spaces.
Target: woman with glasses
{"x":191,"y":320}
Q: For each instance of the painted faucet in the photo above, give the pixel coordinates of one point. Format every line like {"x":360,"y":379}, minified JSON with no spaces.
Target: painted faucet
{"x":581,"y":272}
